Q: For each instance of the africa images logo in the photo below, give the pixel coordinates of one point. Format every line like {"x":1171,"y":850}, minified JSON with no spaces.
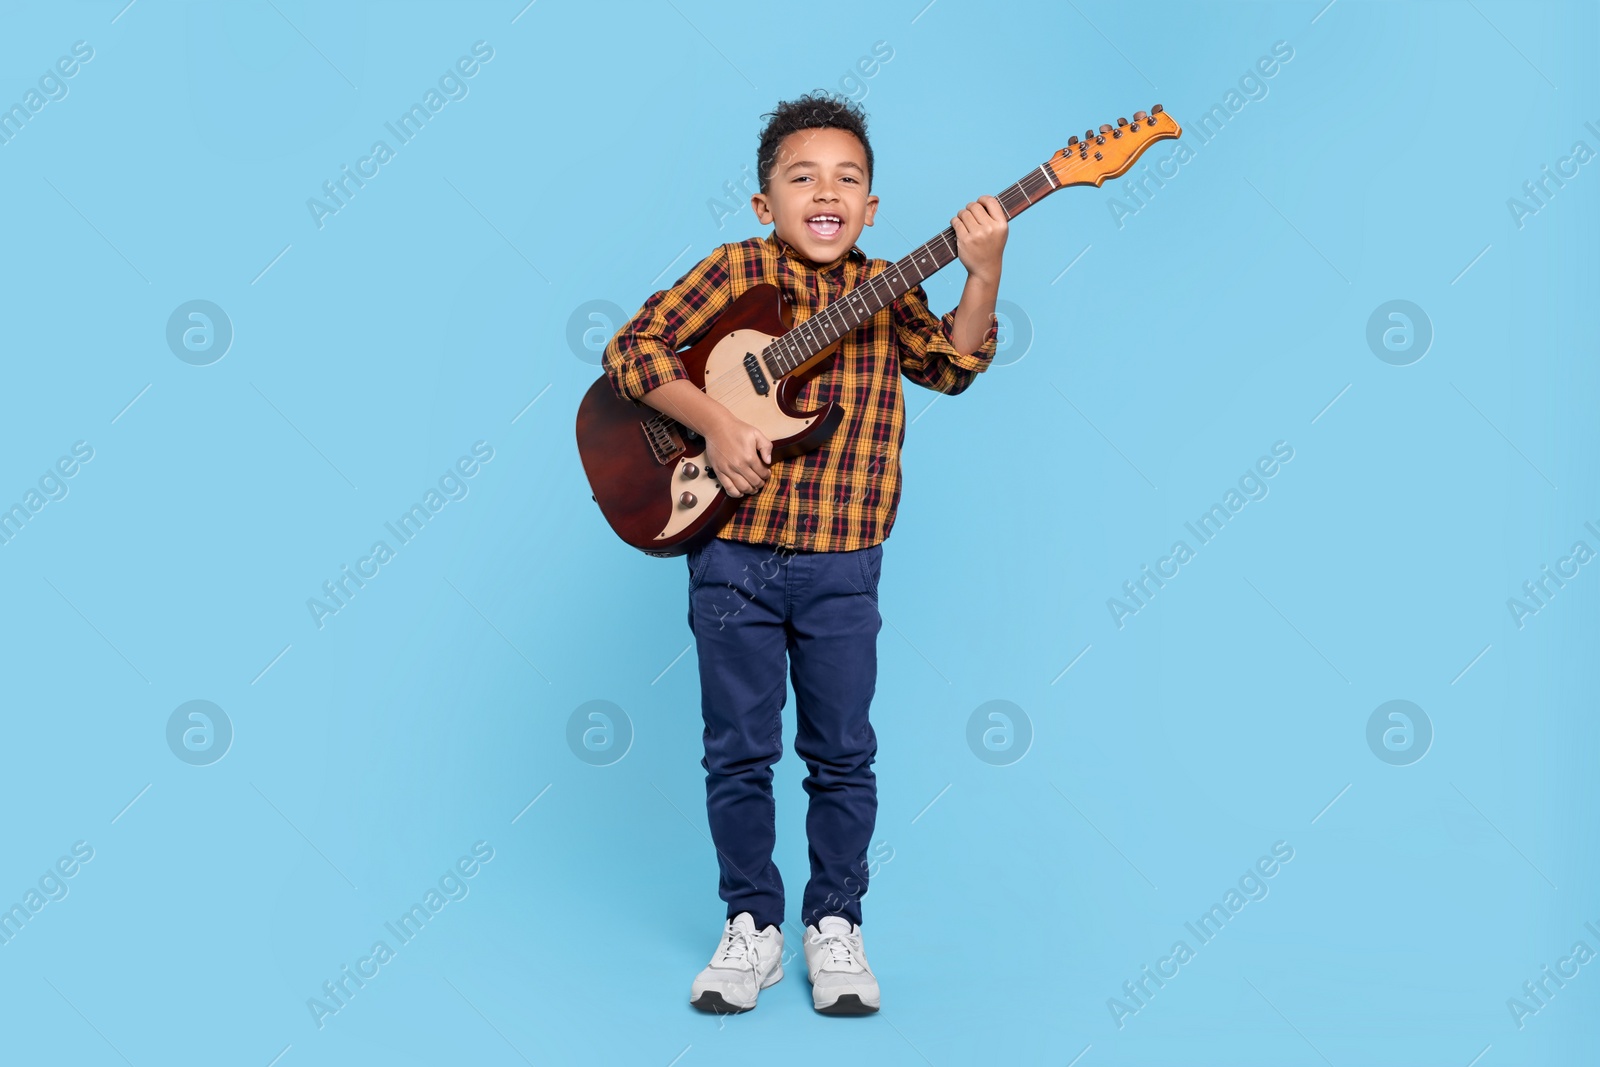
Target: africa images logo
{"x":452,"y":86}
{"x":453,"y":885}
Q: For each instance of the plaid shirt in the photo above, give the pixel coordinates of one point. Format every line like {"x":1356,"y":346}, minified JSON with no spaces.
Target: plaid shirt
{"x":842,"y":496}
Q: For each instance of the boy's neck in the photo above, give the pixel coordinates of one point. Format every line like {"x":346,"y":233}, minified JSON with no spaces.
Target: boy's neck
{"x":785,"y":246}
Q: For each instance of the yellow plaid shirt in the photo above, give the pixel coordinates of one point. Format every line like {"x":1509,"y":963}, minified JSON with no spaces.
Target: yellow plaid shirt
{"x":842,"y":496}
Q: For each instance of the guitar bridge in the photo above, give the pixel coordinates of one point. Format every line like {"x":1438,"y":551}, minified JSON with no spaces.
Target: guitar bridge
{"x":757,"y":379}
{"x":665,"y":438}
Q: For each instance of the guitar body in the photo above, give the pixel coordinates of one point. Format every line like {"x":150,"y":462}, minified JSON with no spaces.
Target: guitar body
{"x":641,"y":465}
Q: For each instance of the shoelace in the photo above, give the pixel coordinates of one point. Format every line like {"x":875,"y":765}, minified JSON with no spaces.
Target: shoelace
{"x":841,"y":953}
{"x":738,"y":947}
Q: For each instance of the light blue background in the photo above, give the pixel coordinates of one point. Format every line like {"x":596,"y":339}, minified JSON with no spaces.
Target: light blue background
{"x":427,"y":314}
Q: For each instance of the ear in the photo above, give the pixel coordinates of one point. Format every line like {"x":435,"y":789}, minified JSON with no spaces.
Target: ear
{"x":758,"y":203}
{"x":872,"y":209}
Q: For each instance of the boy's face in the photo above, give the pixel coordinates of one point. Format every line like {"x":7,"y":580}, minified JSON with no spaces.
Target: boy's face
{"x":817,"y":196}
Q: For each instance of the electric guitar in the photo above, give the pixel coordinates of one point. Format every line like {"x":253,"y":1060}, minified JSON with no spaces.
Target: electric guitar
{"x":647,"y":470}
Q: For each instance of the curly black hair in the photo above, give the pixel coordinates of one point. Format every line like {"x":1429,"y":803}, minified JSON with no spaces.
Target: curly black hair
{"x":813,"y":111}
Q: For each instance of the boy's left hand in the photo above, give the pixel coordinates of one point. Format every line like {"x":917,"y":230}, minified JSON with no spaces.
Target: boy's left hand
{"x":981,"y":237}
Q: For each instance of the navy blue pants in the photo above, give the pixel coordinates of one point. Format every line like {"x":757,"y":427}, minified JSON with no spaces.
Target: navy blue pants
{"x":751,"y":607}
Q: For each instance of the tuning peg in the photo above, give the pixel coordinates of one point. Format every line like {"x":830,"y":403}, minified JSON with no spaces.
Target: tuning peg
{"x":1122,"y":122}
{"x":1156,"y":110}
{"x":1105,"y":127}
{"x":1072,"y":140}
{"x":1138,"y":116}
{"x":1088,"y":135}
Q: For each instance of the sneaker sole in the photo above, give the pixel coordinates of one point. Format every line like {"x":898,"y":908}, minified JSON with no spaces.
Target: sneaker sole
{"x":712,"y":1003}
{"x":848,"y":1004}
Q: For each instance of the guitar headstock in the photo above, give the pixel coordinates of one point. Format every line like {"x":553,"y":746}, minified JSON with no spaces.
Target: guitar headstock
{"x":1110,"y":151}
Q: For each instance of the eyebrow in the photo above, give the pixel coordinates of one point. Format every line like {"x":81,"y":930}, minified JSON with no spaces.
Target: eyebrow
{"x":812,"y":163}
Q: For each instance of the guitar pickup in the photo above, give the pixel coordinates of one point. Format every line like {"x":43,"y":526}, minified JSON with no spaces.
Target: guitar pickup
{"x":757,"y":379}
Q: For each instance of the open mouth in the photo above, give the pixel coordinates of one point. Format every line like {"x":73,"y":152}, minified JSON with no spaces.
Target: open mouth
{"x":825,"y":226}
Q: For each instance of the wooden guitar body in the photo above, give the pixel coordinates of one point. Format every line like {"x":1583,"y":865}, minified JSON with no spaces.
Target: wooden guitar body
{"x":648,"y":473}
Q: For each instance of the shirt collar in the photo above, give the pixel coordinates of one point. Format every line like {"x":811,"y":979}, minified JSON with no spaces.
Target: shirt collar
{"x":780,"y":247}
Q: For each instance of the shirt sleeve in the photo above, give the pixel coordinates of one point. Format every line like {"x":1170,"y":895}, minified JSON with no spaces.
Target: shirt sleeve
{"x":644,"y":353}
{"x":926,"y":355}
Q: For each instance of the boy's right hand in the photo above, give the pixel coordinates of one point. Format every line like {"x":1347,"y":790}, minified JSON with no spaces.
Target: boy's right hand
{"x":740,"y":455}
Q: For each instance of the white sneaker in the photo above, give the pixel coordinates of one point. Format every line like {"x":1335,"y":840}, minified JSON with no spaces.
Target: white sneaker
{"x":841,"y":981}
{"x":745,"y":963}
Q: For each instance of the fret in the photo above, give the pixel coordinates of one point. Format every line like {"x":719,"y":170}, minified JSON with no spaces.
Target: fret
{"x":856,"y":307}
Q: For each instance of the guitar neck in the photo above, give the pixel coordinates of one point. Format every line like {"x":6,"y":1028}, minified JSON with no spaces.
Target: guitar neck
{"x":805,"y":342}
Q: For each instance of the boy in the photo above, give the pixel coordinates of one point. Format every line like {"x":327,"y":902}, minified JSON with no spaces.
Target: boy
{"x":795,"y":570}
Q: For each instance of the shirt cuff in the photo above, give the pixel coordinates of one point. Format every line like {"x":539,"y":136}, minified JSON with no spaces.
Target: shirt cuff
{"x":973,"y":361}
{"x":641,"y":376}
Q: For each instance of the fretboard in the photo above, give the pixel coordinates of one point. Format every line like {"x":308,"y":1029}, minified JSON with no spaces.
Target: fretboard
{"x":870,"y":297}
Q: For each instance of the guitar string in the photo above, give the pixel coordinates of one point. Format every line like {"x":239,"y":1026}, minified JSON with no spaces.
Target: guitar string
{"x":728,"y":384}
{"x":787,"y":343}
{"x":806,"y":334}
{"x":805,"y":341}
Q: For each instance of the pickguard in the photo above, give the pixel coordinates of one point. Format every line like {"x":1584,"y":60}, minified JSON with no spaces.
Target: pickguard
{"x":728,"y":382}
